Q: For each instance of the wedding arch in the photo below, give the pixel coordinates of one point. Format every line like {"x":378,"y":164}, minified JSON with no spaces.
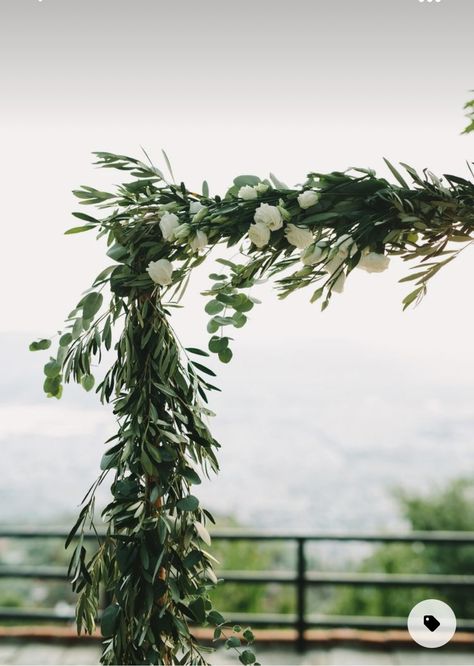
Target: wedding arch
{"x":154,"y":560}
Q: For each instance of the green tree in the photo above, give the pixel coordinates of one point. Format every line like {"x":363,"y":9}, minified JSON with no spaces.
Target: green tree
{"x":253,"y":598}
{"x":449,"y":509}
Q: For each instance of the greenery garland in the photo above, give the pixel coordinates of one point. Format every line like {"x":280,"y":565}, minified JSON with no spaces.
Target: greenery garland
{"x":154,"y":561}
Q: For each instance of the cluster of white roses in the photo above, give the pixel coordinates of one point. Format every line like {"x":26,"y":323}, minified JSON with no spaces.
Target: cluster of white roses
{"x":249,"y":192}
{"x":172,"y":229}
{"x":335,"y":256}
{"x":268,"y":218}
{"x":161,"y":271}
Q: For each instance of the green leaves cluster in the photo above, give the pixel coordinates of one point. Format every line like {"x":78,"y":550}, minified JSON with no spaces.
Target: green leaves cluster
{"x":229,"y":306}
{"x":469,"y":108}
{"x":40,"y":345}
{"x":240,"y":638}
{"x":156,"y":524}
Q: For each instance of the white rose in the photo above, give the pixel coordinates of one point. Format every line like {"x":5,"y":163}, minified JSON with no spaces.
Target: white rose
{"x":195,"y":207}
{"x":259,"y":234}
{"x":298,"y":236}
{"x":168,"y":224}
{"x":313,"y":255}
{"x":199,"y":241}
{"x":160,"y":271}
{"x":345,"y":246}
{"x":334,"y":264}
{"x":373,"y":262}
{"x":247,"y":192}
{"x":307,"y":199}
{"x":268,"y":215}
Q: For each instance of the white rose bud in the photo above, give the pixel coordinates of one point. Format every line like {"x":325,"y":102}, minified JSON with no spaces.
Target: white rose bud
{"x":298,"y":236}
{"x":373,"y":262}
{"x":199,"y":241}
{"x":286,"y":215}
{"x":270,"y":216}
{"x":261,"y":188}
{"x":259,"y":234}
{"x":313,"y":255}
{"x":168,"y":225}
{"x":307,"y":199}
{"x":160,"y":271}
{"x":182,"y":231}
{"x":169,"y":207}
{"x":202,"y":212}
{"x":195,"y":207}
{"x":247,"y":192}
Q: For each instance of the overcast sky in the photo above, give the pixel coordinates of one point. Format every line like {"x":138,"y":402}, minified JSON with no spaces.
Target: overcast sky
{"x":225,"y":89}
{"x":230,"y":88}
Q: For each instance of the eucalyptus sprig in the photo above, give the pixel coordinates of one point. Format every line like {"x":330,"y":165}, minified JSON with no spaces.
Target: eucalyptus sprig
{"x":154,"y":560}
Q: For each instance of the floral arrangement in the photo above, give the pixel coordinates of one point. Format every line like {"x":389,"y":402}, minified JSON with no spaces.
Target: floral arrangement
{"x":154,"y":560}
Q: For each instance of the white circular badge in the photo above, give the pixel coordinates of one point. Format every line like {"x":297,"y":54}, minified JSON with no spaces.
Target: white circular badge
{"x":431,"y":623}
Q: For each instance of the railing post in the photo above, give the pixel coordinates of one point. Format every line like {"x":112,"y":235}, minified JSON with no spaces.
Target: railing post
{"x":300,"y":595}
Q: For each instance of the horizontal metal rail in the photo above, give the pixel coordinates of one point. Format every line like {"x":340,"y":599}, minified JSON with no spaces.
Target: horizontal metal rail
{"x":282,"y":577}
{"x":300,"y":578}
{"x":315,"y":621}
{"x":427,"y":537}
{"x":40,"y":573}
{"x":287,"y":620}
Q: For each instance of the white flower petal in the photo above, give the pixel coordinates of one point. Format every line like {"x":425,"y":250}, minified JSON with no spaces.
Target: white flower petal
{"x":168,"y":225}
{"x":259,"y":234}
{"x":373,"y":262}
{"x":307,"y":199}
{"x":298,"y":236}
{"x":160,"y":271}
{"x":247,"y":192}
{"x":199,"y":241}
{"x":269,"y":215}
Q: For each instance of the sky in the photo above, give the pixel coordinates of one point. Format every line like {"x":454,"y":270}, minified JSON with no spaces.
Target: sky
{"x":250,"y":89}
{"x":226,"y":89}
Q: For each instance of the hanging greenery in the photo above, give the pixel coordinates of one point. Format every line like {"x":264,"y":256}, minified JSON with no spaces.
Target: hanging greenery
{"x":469,"y":107}
{"x":154,"y":561}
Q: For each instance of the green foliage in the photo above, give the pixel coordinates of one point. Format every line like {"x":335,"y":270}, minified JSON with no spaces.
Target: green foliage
{"x":88,"y":382}
{"x":109,"y":620}
{"x":449,"y":509}
{"x":91,"y":305}
{"x":28,"y":594}
{"x":469,"y":107}
{"x":238,"y":555}
{"x":152,"y":561}
{"x":40,"y":345}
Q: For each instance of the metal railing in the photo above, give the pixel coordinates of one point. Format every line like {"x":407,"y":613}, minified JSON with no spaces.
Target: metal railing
{"x":301,"y":578}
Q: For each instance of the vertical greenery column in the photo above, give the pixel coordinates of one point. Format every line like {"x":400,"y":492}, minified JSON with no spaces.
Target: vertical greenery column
{"x":155,"y":568}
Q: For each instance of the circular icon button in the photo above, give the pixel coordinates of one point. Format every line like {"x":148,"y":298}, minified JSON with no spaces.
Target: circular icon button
{"x":431,"y":623}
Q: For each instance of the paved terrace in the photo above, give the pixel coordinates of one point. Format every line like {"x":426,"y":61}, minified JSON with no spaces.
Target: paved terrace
{"x":328,"y":648}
